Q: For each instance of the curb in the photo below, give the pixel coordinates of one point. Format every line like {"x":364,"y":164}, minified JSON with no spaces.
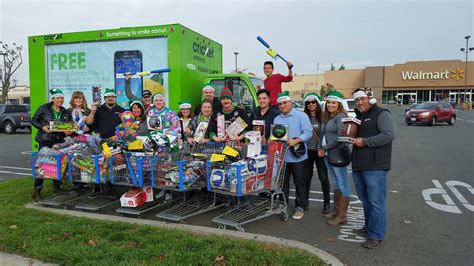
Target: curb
{"x":324,"y":255}
{"x":10,"y":259}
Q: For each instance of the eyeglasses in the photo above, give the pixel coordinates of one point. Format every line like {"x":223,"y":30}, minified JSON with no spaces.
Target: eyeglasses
{"x":311,"y":102}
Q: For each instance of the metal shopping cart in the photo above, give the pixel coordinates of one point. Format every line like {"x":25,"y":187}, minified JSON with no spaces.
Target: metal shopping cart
{"x":256,"y":183}
{"x":187,"y":176}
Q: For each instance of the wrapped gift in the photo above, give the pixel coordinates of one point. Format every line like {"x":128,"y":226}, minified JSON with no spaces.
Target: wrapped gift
{"x":62,"y":126}
{"x":133,"y":198}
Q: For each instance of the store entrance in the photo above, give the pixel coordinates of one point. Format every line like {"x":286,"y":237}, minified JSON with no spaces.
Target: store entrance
{"x":406,"y":97}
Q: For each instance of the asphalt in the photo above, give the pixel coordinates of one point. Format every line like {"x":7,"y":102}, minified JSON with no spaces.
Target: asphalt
{"x":418,"y":233}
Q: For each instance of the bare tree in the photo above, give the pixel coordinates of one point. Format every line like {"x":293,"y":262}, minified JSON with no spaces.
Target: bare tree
{"x":12,"y":60}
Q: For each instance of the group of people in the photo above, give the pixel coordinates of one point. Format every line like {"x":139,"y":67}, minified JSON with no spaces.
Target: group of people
{"x":315,"y":130}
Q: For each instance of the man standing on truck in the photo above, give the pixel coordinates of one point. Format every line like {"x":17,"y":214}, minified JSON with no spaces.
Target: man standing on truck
{"x":208,"y":94}
{"x":105,"y":118}
{"x":273,"y":81}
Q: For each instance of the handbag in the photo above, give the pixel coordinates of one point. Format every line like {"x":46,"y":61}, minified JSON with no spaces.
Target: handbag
{"x":340,"y":156}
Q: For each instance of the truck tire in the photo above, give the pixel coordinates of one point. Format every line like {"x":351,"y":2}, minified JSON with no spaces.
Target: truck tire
{"x":9,"y":128}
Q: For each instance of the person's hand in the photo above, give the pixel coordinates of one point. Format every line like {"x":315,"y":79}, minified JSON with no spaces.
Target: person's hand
{"x":46,"y":129}
{"x":114,"y":138}
{"x":358,"y":142}
{"x":321,"y":153}
{"x":68,"y":132}
{"x":94,"y":108}
{"x":85,"y":129}
{"x":128,"y":75}
{"x":191,"y":141}
{"x":293,"y":142}
{"x":203,"y":141}
{"x":289,"y":64}
{"x":218,"y":139}
{"x":187,"y":131}
{"x":234,"y":138}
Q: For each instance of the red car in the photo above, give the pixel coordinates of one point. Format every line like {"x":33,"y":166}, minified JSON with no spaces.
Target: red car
{"x":430,"y":113}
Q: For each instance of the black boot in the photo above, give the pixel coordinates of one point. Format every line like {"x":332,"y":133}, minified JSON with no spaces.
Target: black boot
{"x":326,"y":208}
{"x":37,"y":195}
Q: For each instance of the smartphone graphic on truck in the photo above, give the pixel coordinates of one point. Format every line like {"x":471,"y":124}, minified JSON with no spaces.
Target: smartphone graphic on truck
{"x":128,"y":62}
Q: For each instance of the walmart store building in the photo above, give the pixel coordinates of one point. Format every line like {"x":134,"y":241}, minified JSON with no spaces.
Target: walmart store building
{"x":420,"y":80}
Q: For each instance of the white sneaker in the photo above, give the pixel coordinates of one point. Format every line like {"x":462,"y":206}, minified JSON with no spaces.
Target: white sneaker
{"x":298,"y":214}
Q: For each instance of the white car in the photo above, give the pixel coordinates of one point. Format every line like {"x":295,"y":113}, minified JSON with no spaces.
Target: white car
{"x":348,"y":104}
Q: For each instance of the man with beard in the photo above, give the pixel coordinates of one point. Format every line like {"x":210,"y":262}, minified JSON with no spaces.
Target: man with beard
{"x":106,"y":117}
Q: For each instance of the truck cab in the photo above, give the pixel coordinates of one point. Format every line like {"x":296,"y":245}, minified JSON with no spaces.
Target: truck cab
{"x":244,"y":87}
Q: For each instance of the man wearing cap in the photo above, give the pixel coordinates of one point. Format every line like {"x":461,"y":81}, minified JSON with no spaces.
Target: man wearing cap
{"x":52,"y":111}
{"x":300,"y":131}
{"x":208,"y":94}
{"x":273,"y":81}
{"x":264,"y":112}
{"x":371,"y":161}
{"x":106,"y":117}
{"x":146,"y":94}
{"x":231,"y":113}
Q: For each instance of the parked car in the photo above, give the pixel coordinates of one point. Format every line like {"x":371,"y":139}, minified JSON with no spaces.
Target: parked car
{"x":431,"y":113}
{"x":411,"y":106}
{"x":14,"y":116}
{"x":298,"y":106}
{"x":349,"y":105}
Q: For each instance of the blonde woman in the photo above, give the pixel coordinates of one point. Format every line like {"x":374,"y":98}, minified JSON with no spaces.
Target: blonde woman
{"x":79,"y":111}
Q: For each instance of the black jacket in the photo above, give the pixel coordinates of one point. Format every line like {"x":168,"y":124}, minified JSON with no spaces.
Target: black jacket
{"x":42,"y":117}
{"x":268,"y":117}
{"x":373,"y":156}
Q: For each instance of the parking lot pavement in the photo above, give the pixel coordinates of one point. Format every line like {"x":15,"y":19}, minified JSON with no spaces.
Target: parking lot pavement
{"x":15,"y":155}
{"x":429,"y":196}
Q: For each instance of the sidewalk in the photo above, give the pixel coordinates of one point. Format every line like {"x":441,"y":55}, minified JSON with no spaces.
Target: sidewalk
{"x":15,"y":260}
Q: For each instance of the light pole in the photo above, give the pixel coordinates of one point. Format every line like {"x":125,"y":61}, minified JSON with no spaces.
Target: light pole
{"x":236,"y":69}
{"x":467,"y":50}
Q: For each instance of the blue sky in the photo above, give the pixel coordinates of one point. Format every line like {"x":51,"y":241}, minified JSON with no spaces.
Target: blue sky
{"x":353,"y":33}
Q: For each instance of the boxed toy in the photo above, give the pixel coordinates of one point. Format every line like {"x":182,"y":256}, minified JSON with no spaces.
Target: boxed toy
{"x":279,"y":132}
{"x":275,"y":159}
{"x":259,"y":125}
{"x":236,"y":127}
{"x":254,"y":147}
{"x":257,"y":165}
{"x":62,"y":126}
{"x":133,"y":198}
{"x":220,"y":126}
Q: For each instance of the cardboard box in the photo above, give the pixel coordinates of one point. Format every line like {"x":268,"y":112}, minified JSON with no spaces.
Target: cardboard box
{"x":275,"y":158}
{"x":133,"y":198}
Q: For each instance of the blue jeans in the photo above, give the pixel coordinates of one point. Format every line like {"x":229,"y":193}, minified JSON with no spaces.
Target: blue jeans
{"x":371,"y":187}
{"x":340,"y":178}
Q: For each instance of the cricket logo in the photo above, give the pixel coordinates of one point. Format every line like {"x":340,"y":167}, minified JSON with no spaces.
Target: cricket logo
{"x":203,"y":47}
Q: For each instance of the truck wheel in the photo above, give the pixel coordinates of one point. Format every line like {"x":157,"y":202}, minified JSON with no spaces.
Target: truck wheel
{"x":433,"y":121}
{"x":9,"y":127}
{"x":451,"y":120}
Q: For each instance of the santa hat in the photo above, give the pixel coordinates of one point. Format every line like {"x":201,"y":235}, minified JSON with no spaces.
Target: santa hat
{"x":185,"y":105}
{"x":313,"y":96}
{"x":109,"y":92}
{"x":335,"y":95}
{"x":158,"y":95}
{"x":226,"y":93}
{"x":361,"y":93}
{"x":207,"y":87}
{"x":56,"y":93}
{"x":284,"y":96}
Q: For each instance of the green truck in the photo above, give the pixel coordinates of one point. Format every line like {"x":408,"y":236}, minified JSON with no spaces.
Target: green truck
{"x":92,"y":61}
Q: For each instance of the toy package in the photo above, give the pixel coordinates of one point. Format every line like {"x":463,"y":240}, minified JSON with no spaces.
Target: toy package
{"x":279,"y":133}
{"x":236,"y":127}
{"x":62,"y":126}
{"x":220,"y":125}
{"x":200,"y":131}
{"x":259,"y":125}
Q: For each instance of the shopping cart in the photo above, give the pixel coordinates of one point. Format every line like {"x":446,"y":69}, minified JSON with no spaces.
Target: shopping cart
{"x":188,"y":177}
{"x":256,"y":184}
{"x":87,"y":169}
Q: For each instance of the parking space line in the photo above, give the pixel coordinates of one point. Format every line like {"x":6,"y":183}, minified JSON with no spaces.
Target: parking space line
{"x":15,"y":173}
{"x":464,"y":120}
{"x":12,"y":167}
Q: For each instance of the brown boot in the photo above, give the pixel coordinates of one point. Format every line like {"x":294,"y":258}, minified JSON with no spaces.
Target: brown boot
{"x":341,"y":216}
{"x":333,"y":213}
{"x":37,"y":195}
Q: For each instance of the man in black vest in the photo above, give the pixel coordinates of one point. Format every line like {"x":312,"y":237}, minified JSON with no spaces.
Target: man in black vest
{"x":371,"y":159}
